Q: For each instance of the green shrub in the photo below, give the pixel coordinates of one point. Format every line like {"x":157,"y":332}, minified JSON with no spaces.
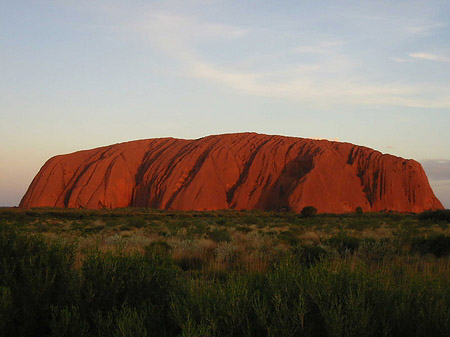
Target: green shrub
{"x":371,"y":250}
{"x":112,"y":223}
{"x":199,"y":228}
{"x":220,"y":235}
{"x":163,"y":233}
{"x":289,"y":237}
{"x":221,"y":222}
{"x":308,"y":211}
{"x":122,"y":322}
{"x":243,"y":229}
{"x":158,"y":249}
{"x":144,"y":282}
{"x":419,"y":307}
{"x":94,"y":229}
{"x":438,"y":215}
{"x":251,"y":220}
{"x":214,"y":308}
{"x":308,"y":255}
{"x":348,"y":303}
{"x":80,"y":225}
{"x":125,"y":227}
{"x":358,"y":226}
{"x":6,"y":309}
{"x":438,"y":245}
{"x":68,"y":322}
{"x":344,"y":244}
{"x":34,"y":277}
{"x":280,"y":303}
{"x":137,"y":222}
{"x":190,"y":262}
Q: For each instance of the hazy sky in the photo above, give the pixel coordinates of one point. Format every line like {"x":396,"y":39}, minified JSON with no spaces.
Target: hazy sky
{"x":81,"y":74}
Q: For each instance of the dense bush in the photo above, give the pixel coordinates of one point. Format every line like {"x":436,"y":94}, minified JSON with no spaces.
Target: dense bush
{"x":344,"y":244}
{"x":371,"y":250}
{"x":438,"y":245}
{"x":438,"y":215}
{"x":139,"y":284}
{"x":137,"y":222}
{"x":289,"y":237}
{"x":308,"y":211}
{"x":319,"y":301}
{"x":34,"y":277}
{"x":308,"y":255}
{"x":220,"y":235}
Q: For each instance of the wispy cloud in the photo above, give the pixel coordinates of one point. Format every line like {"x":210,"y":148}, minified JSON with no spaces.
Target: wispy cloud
{"x":403,"y":60}
{"x":421,"y":56}
{"x":323,"y":47}
{"x":323,"y":75}
{"x":178,"y":35}
{"x":320,"y":92}
{"x":429,"y":57}
{"x":424,"y":29}
{"x":159,"y":25}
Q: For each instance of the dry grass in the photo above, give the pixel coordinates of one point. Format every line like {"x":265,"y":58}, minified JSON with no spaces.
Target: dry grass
{"x":257,"y":239}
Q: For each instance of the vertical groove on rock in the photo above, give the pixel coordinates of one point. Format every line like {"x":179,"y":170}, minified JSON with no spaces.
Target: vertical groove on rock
{"x":191,"y":176}
{"x":243,"y":176}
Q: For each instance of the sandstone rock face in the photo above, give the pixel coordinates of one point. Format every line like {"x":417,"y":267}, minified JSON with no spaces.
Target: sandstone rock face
{"x":233,"y":171}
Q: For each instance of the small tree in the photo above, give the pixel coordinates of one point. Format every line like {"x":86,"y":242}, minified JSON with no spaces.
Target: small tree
{"x":308,"y":211}
{"x":359,"y":210}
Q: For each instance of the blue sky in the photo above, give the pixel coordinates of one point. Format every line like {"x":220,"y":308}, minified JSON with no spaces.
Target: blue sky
{"x":82,"y":74}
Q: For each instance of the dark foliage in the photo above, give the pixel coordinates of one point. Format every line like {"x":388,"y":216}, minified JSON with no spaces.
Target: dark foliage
{"x":309,"y":211}
{"x":438,"y":245}
{"x":308,"y":255}
{"x":220,"y":235}
{"x":344,"y":244}
{"x":438,"y":215}
{"x":34,"y":278}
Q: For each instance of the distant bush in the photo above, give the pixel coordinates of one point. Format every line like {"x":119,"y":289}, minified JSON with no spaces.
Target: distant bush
{"x":359,"y":210}
{"x":308,"y":255}
{"x":289,"y":237}
{"x":251,"y":220}
{"x":438,"y":215}
{"x":221,"y":222}
{"x":199,"y":228}
{"x":94,"y":229}
{"x":137,"y":222}
{"x":438,"y":245}
{"x":190,"y":262}
{"x":309,"y":211}
{"x":243,"y":229}
{"x":161,"y":248}
{"x":220,"y":235}
{"x":344,"y":244}
{"x":372,"y":250}
{"x":125,"y":227}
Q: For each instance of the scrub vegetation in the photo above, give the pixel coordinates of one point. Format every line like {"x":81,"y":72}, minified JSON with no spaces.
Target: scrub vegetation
{"x":141,"y":272}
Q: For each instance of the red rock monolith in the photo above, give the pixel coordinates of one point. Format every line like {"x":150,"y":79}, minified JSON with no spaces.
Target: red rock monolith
{"x":233,"y":171}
